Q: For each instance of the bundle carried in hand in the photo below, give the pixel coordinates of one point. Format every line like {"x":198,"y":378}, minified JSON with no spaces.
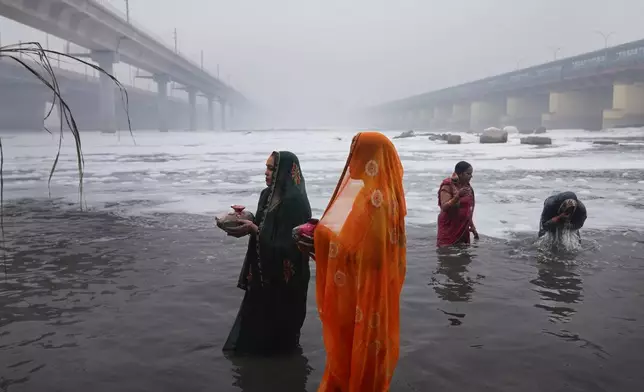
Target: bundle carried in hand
{"x":303,"y":234}
{"x":232,"y":220}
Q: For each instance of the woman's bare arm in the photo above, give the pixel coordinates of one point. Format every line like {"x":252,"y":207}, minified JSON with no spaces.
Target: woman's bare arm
{"x":447,"y":199}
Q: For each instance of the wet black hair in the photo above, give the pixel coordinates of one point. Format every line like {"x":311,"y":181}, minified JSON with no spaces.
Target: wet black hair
{"x":461,"y":167}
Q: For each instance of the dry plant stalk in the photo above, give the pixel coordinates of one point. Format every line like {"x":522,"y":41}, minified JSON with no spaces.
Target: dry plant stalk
{"x":40,"y":67}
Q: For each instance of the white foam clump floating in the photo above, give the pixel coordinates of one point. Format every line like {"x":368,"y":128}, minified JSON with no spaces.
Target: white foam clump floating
{"x":561,"y":240}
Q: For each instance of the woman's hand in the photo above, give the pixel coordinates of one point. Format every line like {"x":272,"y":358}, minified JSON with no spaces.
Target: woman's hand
{"x":563,"y":217}
{"x":463,"y":192}
{"x":304,"y":247}
{"x":247,"y":227}
{"x":473,"y":230}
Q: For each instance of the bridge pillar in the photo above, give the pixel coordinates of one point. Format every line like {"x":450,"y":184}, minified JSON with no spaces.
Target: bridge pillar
{"x":192,"y":107}
{"x":628,"y":106}
{"x":582,"y":109}
{"x":487,"y":113}
{"x":524,"y":112}
{"x":442,"y":114}
{"x":211,"y":114}
{"x":107,"y":104}
{"x":424,"y":118}
{"x":162,"y":103}
{"x":460,"y":118}
{"x":222,"y":104}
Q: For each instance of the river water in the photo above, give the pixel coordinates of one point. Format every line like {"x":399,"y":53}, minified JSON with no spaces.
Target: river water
{"x":137,"y":293}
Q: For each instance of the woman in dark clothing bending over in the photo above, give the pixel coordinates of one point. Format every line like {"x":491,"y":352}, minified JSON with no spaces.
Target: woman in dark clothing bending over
{"x":562,"y":211}
{"x":275,"y":274}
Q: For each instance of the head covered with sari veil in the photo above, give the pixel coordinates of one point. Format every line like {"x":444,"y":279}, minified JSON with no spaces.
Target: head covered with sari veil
{"x":275,"y":273}
{"x":360,"y":249}
{"x":283,"y":205}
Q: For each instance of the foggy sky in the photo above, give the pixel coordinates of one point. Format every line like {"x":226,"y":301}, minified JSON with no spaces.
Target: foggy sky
{"x":308,"y":58}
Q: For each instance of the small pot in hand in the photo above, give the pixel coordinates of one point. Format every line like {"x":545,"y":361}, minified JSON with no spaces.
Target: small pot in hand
{"x":233,"y":219}
{"x":303,"y":234}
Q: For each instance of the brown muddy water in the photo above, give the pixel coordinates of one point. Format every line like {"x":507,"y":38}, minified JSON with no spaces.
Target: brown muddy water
{"x":94,"y":301}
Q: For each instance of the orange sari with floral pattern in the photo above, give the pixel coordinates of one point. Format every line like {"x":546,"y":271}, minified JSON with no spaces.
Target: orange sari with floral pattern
{"x":360,"y":249}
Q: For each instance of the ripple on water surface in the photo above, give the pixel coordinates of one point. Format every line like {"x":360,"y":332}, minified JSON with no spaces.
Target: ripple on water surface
{"x":139,"y":292}
{"x":97,"y":301}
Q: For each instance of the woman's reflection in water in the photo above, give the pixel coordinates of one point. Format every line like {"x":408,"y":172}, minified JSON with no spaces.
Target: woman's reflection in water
{"x":287,"y":373}
{"x":452,"y":264}
{"x":559,"y":288}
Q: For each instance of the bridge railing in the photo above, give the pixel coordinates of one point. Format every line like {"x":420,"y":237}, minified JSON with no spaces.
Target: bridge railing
{"x":605,"y":61}
{"x":107,"y":4}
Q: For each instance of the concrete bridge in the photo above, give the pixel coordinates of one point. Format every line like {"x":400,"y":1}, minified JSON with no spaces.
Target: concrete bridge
{"x":601,"y":89}
{"x":24,"y":100}
{"x":111,"y":38}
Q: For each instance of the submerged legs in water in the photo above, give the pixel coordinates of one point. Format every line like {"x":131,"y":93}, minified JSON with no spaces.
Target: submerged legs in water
{"x":560,"y":240}
{"x":268,"y":322}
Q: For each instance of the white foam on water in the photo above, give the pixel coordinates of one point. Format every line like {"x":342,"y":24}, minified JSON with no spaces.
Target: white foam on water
{"x":560,"y":241}
{"x":206,"y":172}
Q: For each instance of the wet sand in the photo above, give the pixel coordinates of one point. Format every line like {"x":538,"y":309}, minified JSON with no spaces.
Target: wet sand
{"x":100,"y":302}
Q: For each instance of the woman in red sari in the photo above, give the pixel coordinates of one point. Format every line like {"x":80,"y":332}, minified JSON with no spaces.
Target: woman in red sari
{"x":456,"y":202}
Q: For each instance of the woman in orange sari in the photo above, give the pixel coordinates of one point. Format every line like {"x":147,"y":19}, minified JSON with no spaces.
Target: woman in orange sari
{"x":361,"y":261}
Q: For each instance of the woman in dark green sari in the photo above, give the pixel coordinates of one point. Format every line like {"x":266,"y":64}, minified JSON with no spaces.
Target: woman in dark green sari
{"x":275,"y":274}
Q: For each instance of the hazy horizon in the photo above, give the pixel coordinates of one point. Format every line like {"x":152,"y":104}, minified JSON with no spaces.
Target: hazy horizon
{"x":306,"y":61}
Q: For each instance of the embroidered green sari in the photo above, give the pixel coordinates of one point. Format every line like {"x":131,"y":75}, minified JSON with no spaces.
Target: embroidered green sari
{"x":275,"y":274}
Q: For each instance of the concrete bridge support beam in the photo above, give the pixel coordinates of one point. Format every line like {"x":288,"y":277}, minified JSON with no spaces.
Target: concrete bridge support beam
{"x":628,"y":106}
{"x":192,"y":107}
{"x":424,"y":118}
{"x":524,"y":112}
{"x":460,"y":118}
{"x":581,"y":109}
{"x":442,"y":114}
{"x":162,"y":103}
{"x":211,"y":114}
{"x":222,"y":105}
{"x":107,"y":102}
{"x":485,"y":114}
